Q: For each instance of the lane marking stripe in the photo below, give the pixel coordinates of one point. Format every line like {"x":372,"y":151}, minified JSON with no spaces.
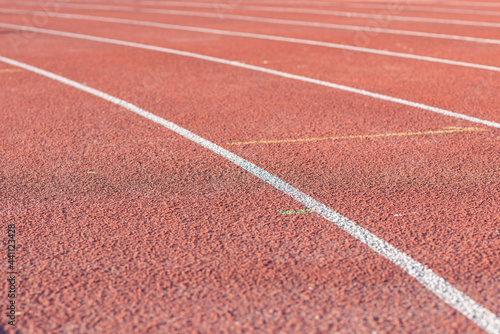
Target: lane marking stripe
{"x":426,"y":9}
{"x":286,"y":22}
{"x":320,"y":3}
{"x":256,"y":36}
{"x":380,"y":135}
{"x":435,"y":3}
{"x":428,"y":278}
{"x":404,"y":5}
{"x":388,"y":17}
{"x":257,"y":69}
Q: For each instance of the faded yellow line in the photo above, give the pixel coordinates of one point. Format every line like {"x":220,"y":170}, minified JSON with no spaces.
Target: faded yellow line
{"x":10,"y":70}
{"x":294,"y":212}
{"x":400,"y":134}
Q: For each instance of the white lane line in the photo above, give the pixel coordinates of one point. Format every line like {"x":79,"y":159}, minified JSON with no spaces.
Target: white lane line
{"x":419,"y":8}
{"x":484,"y":318}
{"x":256,"y":36}
{"x":220,"y":4}
{"x":257,"y":69}
{"x":442,"y":3}
{"x":286,"y":22}
{"x":391,"y":4}
{"x":386,"y":18}
{"x":394,"y":4}
{"x":323,"y":3}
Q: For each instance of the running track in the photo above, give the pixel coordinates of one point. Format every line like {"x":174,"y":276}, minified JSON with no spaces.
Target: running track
{"x":252,"y":166}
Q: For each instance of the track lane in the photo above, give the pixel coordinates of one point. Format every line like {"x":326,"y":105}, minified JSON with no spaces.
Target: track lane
{"x":337,"y":46}
{"x":390,"y":14}
{"x":128,"y":207}
{"x":456,"y":50}
{"x":385,"y":10}
{"x":338,"y":23}
{"x":214,"y":121}
{"x":406,"y":6}
{"x":419,"y":85}
{"x":464,"y":4}
{"x":462,"y":220}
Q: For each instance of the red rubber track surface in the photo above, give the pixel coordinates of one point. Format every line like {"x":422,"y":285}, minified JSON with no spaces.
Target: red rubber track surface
{"x":248,"y":11}
{"x":486,"y":54}
{"x":124,"y":226}
{"x":243,"y":8}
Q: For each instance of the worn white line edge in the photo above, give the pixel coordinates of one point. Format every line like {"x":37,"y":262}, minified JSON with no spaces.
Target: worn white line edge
{"x":438,"y":285}
{"x":252,"y":35}
{"x":258,"y":69}
{"x":284,"y":22}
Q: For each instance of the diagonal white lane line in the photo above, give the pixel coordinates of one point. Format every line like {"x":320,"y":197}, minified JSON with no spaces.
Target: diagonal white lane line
{"x":447,"y":3}
{"x":324,"y":3}
{"x":330,"y":4}
{"x":311,"y":3}
{"x":258,"y":69}
{"x":388,"y":17}
{"x":405,"y":5}
{"x":436,"y":2}
{"x":438,"y":285}
{"x":252,"y":35}
{"x":284,"y":22}
{"x":424,"y":9}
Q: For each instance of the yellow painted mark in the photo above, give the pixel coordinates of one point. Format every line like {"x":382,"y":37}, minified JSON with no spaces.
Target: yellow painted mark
{"x":452,"y":129}
{"x":294,"y":212}
{"x":10,"y":70}
{"x":405,"y":214}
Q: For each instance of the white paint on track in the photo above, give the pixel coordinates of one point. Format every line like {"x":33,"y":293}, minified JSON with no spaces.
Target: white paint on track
{"x":484,"y":318}
{"x":325,"y":3}
{"x":406,"y":4}
{"x":422,"y":9}
{"x":221,"y":4}
{"x":383,"y":18}
{"x":256,"y":36}
{"x":255,"y":68}
{"x":442,"y":3}
{"x":367,"y":29}
{"x":225,"y":4}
